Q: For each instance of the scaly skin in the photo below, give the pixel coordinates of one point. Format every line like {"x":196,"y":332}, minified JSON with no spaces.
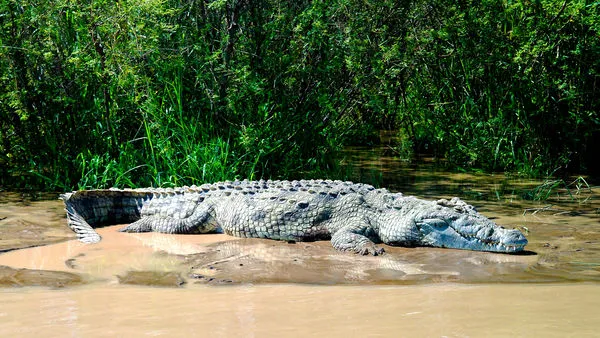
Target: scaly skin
{"x":354,"y":216}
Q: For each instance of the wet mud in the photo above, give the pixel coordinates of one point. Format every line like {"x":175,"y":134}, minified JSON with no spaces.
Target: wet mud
{"x":152,"y":278}
{"x":261,"y":261}
{"x":29,"y":221}
{"x":32,"y":277}
{"x":563,"y":247}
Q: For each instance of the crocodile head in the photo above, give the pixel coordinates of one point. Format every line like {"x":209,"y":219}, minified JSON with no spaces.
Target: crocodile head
{"x":455,"y":224}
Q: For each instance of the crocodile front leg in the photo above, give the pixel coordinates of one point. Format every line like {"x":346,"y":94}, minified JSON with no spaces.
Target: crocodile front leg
{"x":353,"y":240}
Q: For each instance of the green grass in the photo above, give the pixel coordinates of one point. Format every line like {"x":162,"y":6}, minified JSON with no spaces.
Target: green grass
{"x":577,"y":190}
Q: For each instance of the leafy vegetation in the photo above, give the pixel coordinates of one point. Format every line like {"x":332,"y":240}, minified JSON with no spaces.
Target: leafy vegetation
{"x":173,"y":92}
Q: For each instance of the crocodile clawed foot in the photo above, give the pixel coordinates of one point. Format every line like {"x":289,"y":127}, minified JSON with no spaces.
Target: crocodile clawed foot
{"x":371,"y":250}
{"x":346,"y":240}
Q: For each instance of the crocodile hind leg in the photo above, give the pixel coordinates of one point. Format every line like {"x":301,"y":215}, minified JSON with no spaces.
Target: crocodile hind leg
{"x":144,"y":224}
{"x":198,"y":222}
{"x":351,"y":239}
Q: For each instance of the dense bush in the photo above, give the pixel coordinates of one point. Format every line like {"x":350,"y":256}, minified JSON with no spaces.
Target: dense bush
{"x":122,"y":93}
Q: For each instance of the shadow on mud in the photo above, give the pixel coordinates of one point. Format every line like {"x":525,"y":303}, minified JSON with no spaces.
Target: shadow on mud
{"x":525,"y":253}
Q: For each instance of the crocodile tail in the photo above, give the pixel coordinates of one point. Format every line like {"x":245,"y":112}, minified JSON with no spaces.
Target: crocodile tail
{"x":90,"y":209}
{"x":84,"y":231}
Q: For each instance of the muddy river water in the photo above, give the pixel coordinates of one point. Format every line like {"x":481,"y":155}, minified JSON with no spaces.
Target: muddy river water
{"x":215,"y":285}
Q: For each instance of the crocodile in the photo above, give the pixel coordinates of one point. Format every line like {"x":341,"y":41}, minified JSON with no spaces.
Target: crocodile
{"x":354,"y":216}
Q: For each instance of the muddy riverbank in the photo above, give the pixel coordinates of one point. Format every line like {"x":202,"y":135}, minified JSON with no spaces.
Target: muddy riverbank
{"x":564,"y":246}
{"x":217,"y":285}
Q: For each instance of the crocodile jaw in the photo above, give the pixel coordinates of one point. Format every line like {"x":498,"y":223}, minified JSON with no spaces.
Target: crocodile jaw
{"x":470,"y":233}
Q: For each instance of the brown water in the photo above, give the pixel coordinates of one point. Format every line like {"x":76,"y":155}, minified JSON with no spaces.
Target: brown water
{"x":438,"y":310}
{"x":216,"y":285}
